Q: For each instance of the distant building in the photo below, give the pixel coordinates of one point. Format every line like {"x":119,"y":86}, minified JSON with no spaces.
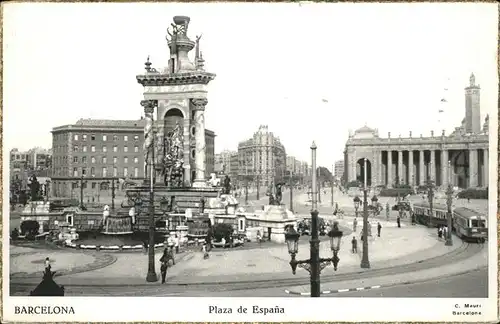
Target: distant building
{"x":460,"y":159}
{"x":262,"y":157}
{"x":223,"y":162}
{"x":339,"y":170}
{"x":37,"y":161}
{"x":101,"y":150}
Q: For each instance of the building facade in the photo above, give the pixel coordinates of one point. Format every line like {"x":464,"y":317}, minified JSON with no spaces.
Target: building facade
{"x":225,"y":162}
{"x":338,"y":171}
{"x":36,"y":161}
{"x":262,"y":157}
{"x":460,"y":158}
{"x":101,"y":150}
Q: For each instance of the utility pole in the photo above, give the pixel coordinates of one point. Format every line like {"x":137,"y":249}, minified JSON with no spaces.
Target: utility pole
{"x":81,"y":191}
{"x":365,"y":262}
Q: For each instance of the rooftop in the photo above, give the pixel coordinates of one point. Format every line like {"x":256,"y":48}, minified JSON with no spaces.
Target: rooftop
{"x":111,"y":122}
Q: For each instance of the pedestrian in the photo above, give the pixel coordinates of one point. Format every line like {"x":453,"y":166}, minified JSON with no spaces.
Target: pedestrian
{"x":445,"y":232}
{"x":354,"y":245}
{"x":205,"y":252}
{"x":354,"y":224}
{"x":163,"y":269}
{"x":176,"y":244}
{"x":440,"y":232}
{"x":259,"y":237}
{"x":379,"y":227}
{"x":47,"y":265}
{"x":387,"y":210}
{"x":399,"y":222}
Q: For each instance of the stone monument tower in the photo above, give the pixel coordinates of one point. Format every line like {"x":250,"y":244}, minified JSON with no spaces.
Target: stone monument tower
{"x":179,"y":92}
{"x":472,"y":107}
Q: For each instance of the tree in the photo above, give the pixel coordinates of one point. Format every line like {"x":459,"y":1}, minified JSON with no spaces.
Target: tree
{"x":222,"y":230}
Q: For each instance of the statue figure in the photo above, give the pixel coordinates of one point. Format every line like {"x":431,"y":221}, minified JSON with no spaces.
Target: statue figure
{"x":197,"y":53}
{"x":227,"y":185}
{"x":34,"y":186}
{"x":177,"y":141}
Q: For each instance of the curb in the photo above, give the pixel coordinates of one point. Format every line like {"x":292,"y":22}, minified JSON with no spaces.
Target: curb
{"x":326,"y":292}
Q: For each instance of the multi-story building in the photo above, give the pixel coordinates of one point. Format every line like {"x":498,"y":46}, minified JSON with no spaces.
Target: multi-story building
{"x":223,"y":161}
{"x":36,"y":161}
{"x":263,"y":156}
{"x":460,"y":159}
{"x":291,"y":163}
{"x":339,"y":170}
{"x":101,"y":150}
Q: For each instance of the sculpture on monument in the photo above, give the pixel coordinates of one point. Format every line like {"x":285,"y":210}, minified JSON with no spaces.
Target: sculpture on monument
{"x":34,"y":186}
{"x":227,"y":185}
{"x":275,"y":194}
{"x":173,"y":160}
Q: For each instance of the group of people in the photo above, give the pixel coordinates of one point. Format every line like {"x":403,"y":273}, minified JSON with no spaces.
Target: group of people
{"x":354,"y":241}
{"x":442,"y":232}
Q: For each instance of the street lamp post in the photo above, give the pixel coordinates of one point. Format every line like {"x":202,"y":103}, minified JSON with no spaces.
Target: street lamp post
{"x":430,"y":194}
{"x":365,"y":262}
{"x":291,"y":193}
{"x":81,"y":191}
{"x":314,"y":264}
{"x":319,"y":185}
{"x":149,"y":106}
{"x":356,"y":201}
{"x":449,"y":201}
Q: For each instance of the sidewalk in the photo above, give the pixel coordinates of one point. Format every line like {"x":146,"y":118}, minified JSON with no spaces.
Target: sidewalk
{"x":479,"y":260}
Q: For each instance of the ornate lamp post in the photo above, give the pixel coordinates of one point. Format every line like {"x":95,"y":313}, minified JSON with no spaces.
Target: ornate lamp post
{"x":291,"y":192}
{"x":314,"y":264}
{"x":149,"y":106}
{"x":356,"y":201}
{"x":365,"y":262}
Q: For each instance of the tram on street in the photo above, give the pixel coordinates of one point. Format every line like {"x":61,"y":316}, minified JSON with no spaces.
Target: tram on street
{"x":467,"y":223}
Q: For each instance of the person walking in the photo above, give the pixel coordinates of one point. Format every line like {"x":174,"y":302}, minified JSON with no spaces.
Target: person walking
{"x":379,"y":227}
{"x":354,"y":224}
{"x":47,"y":265}
{"x":440,"y":232}
{"x":398,"y":220}
{"x":445,"y":232}
{"x":387,"y":210}
{"x":354,"y":243}
{"x":163,"y":269}
{"x":259,"y":237}
{"x":176,"y":243}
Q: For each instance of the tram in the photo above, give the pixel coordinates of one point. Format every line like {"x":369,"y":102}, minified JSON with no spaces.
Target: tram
{"x":467,"y":223}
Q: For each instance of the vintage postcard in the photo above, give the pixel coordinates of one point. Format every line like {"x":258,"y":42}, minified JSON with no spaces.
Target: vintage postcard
{"x":228,"y":162}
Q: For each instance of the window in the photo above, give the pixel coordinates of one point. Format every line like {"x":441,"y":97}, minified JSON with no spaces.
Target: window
{"x":93,"y":185}
{"x":125,"y":172}
{"x":92,"y":148}
{"x":84,"y":159}
{"x":84,"y":148}
{"x":74,"y":185}
{"x":115,"y":159}
{"x":75,"y":159}
{"x":104,"y":149}
{"x":104,"y":171}
{"x":125,"y":149}
{"x":104,"y":138}
{"x":136,"y":138}
{"x":92,"y":172}
{"x":104,"y":160}
{"x":92,"y":159}
{"x":69,"y":219}
{"x":84,"y":171}
{"x":115,"y":138}
{"x":84,"y":186}
{"x":92,"y":137}
{"x":125,"y":160}
{"x":115,"y":172}
{"x":136,"y":159}
{"x":75,"y":137}
{"x":136,"y":149}
{"x":84,"y":137}
{"x":125,"y":138}
{"x":136,"y":172}
{"x":75,"y":148}
{"x":115,"y":148}
{"x":75,"y":172}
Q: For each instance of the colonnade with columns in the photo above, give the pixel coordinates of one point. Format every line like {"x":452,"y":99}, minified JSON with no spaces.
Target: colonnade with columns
{"x":463,"y":168}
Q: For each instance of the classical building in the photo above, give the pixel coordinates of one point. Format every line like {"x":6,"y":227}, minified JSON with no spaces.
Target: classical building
{"x":101,"y":150}
{"x":339,"y":170}
{"x":263,"y":156}
{"x":460,"y":158}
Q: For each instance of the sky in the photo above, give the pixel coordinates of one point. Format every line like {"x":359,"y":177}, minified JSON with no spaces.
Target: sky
{"x":311,"y":72}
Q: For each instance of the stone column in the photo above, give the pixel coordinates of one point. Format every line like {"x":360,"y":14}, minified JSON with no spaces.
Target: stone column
{"x":400,"y":168}
{"x":149,"y":108}
{"x":433,"y":165}
{"x":379,"y":169}
{"x":411,"y":179}
{"x":445,"y":175}
{"x":199,"y":119}
{"x":473,"y":168}
{"x":485,"y":168}
{"x":389,"y":169}
{"x":421,"y":163}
